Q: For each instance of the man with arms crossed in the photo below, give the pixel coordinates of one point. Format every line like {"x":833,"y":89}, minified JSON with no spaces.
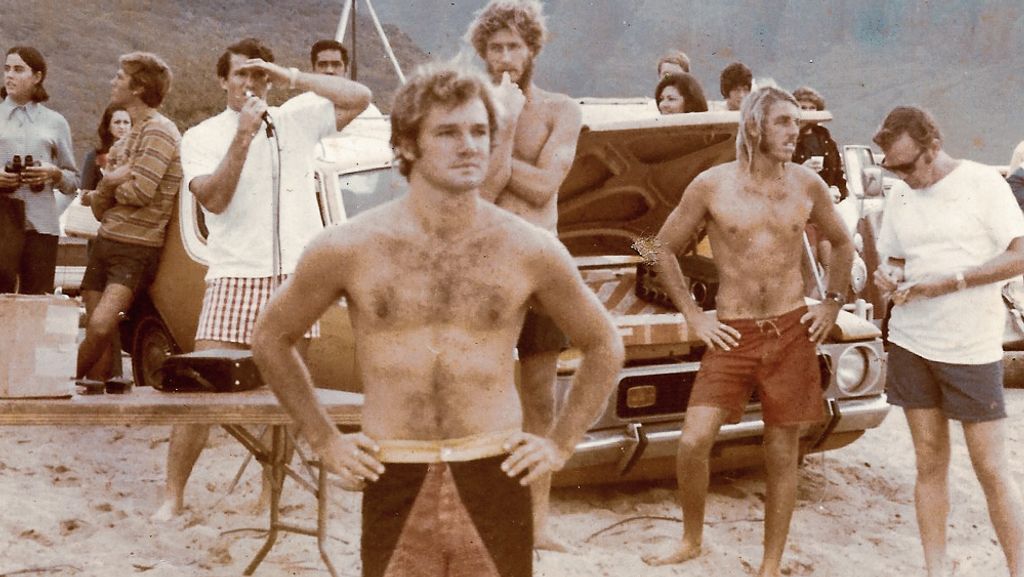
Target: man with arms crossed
{"x":947,"y":243}
{"x":534,"y":148}
{"x":442,"y":457}
{"x":228,"y":162}
{"x":134,"y":203}
{"x":764,"y":336}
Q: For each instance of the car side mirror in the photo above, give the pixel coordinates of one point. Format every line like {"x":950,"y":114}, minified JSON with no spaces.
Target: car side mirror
{"x":871,"y":177}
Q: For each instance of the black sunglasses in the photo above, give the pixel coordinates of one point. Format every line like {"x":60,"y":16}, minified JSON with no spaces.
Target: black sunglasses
{"x":904,"y":168}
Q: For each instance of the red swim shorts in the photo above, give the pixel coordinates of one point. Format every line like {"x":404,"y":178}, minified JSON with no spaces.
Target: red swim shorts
{"x":775,"y":358}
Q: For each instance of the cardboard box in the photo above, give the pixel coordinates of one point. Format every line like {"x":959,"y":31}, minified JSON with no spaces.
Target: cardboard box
{"x":38,"y":349}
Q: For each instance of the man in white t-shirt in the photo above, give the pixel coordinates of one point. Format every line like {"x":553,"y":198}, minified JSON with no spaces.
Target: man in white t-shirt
{"x":949,"y":240}
{"x":250,"y":167}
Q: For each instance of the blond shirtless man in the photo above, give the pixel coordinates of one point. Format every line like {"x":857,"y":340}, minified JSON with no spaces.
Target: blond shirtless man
{"x":764,"y":336}
{"x":534,"y":148}
{"x":437,"y":285}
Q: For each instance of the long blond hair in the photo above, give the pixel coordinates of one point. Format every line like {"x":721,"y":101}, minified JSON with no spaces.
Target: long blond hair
{"x":753,"y":117}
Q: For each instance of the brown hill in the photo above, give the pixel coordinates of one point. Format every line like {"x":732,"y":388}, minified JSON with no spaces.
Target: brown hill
{"x":82,"y":39}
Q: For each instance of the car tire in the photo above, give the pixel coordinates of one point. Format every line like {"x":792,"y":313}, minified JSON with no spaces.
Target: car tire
{"x":152,"y":343}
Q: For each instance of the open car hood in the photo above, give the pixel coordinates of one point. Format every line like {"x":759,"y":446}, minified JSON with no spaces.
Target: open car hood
{"x":630,"y":170}
{"x":631,"y":167}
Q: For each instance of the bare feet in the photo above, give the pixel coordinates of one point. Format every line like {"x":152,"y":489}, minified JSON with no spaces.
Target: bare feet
{"x":167,"y":511}
{"x":548,"y":542}
{"x":680,"y":555}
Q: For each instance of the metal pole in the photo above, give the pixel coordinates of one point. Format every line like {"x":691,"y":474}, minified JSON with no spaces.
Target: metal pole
{"x":354,"y":69}
{"x":814,"y":267}
{"x":343,"y":22}
{"x":384,"y":40}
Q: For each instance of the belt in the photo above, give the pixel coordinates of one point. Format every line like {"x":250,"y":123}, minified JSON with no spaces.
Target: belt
{"x":471,"y":448}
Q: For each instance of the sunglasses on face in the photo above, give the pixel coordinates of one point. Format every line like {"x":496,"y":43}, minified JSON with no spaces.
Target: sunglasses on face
{"x":905,"y":167}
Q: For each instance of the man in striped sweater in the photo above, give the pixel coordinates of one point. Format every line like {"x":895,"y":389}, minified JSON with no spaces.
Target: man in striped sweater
{"x":134,"y":204}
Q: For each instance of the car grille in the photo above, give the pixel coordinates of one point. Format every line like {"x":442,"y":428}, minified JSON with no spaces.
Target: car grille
{"x":650,"y":395}
{"x":665,"y":394}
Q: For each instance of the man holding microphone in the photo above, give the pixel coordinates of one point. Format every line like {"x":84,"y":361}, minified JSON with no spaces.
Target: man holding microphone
{"x":232,"y":163}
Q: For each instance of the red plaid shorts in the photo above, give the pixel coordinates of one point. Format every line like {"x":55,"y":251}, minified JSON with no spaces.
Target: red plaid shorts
{"x":231,"y":305}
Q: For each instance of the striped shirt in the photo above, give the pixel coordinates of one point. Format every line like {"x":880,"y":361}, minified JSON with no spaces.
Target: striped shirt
{"x":33,"y":129}
{"x":143,"y":204}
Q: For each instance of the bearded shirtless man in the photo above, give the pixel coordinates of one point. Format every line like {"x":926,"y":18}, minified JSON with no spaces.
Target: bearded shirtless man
{"x":437,"y":285}
{"x":755,"y":210}
{"x":534,"y":149}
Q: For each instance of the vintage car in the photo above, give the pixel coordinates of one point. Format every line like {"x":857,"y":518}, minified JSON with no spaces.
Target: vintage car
{"x":630,"y":169}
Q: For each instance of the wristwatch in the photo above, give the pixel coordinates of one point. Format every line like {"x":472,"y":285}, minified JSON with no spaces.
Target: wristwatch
{"x":835,"y":297}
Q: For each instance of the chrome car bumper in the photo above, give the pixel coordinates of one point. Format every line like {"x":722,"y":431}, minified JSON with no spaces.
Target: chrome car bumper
{"x":628,"y":444}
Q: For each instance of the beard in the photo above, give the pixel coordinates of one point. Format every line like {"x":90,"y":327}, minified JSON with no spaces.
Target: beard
{"x":524,"y":80}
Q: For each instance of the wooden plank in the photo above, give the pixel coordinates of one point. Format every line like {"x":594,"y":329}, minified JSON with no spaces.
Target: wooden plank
{"x":144,"y":406}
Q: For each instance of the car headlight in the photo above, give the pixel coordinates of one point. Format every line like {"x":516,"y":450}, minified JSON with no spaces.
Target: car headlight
{"x":857,"y":370}
{"x":858,"y":274}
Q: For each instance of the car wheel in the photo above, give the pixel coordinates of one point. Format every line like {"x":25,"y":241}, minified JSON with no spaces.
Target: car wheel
{"x":152,"y":343}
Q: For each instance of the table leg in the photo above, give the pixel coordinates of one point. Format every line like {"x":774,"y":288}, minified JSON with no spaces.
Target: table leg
{"x":321,"y":520}
{"x":277,"y":465}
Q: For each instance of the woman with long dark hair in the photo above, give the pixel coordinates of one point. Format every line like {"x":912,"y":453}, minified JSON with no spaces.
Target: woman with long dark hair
{"x":115,"y":125}
{"x":28,"y":210}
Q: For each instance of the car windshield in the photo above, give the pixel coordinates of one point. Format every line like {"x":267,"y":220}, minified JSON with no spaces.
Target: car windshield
{"x":361,"y":191}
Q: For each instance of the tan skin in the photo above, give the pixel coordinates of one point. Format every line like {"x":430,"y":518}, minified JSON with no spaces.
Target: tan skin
{"x":534,"y":149}
{"x":214,"y":192}
{"x":445,"y":336}
{"x":929,"y":428}
{"x":755,"y":218}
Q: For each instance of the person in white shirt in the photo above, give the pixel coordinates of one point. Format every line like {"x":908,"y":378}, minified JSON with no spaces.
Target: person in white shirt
{"x":948,"y":241}
{"x":231,"y":162}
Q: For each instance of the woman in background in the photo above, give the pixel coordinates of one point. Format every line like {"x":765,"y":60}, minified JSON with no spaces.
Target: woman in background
{"x":115,"y":125}
{"x":680,"y":92}
{"x":28,"y":210}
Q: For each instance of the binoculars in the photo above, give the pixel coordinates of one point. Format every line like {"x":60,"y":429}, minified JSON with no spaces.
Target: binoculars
{"x":15,"y":166}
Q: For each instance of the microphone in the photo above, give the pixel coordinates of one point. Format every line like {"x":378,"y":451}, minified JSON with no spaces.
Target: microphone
{"x":266,"y":116}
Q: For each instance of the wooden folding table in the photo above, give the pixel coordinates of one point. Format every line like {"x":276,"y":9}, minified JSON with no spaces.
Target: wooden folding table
{"x":145,"y":406}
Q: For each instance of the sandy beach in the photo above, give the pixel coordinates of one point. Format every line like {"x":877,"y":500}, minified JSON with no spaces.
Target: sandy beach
{"x":76,"y":501}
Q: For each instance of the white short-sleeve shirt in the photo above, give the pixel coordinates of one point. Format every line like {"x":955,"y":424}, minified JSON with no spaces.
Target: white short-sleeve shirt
{"x":960,"y":222}
{"x":241,"y":237}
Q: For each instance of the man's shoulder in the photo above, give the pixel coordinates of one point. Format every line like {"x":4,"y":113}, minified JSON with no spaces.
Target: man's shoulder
{"x":212,"y":129}
{"x":522,"y":234}
{"x":554,"y":101}
{"x":208,"y":124}
{"x":160,"y":123}
{"x":717,"y":177}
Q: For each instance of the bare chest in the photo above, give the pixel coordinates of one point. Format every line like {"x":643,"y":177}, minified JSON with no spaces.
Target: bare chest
{"x":748,"y":214}
{"x":474,"y":286}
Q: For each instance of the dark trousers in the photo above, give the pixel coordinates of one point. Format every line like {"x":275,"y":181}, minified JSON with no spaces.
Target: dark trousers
{"x":24,"y":254}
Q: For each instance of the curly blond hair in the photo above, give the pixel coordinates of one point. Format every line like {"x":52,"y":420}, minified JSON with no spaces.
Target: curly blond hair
{"x":525,"y":17}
